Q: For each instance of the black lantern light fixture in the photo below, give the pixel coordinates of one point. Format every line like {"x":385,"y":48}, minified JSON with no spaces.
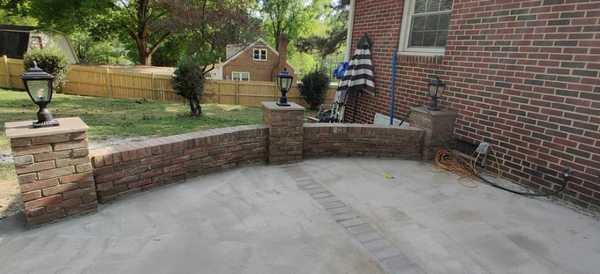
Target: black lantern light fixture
{"x":39,"y":86}
{"x":284,"y":83}
{"x":436,"y":89}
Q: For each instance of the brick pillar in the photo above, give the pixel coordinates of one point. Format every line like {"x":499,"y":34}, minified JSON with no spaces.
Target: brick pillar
{"x":53,"y":169}
{"x":285,"y":132}
{"x":442,"y":121}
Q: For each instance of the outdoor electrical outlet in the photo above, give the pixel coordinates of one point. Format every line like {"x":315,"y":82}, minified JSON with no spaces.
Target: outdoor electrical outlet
{"x":483,"y":148}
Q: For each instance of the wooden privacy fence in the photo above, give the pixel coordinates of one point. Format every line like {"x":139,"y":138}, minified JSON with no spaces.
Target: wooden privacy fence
{"x":114,"y":83}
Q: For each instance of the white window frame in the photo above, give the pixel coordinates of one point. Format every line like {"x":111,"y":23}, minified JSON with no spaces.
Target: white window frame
{"x":409,"y":9}
{"x":260,"y":51}
{"x":240,"y":73}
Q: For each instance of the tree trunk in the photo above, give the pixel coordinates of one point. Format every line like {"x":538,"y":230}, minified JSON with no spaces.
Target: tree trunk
{"x":145,"y":57}
{"x":195,"y":107}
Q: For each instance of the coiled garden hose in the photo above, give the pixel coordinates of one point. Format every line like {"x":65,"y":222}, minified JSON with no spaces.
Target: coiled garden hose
{"x":567,"y":173}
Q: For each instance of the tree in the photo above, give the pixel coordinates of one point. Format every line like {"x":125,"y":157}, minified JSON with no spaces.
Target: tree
{"x":188,"y":82}
{"x":92,"y":50}
{"x":15,"y":12}
{"x":288,"y":16}
{"x":212,"y":25}
{"x":314,"y":86}
{"x":147,"y":23}
{"x":336,"y":35}
{"x":140,"y":20}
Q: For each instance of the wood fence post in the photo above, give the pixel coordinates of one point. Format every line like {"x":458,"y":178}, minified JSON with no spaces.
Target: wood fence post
{"x":218,"y":91}
{"x":153,"y":86}
{"x":108,"y":88}
{"x":237,"y":92}
{"x":5,"y":61}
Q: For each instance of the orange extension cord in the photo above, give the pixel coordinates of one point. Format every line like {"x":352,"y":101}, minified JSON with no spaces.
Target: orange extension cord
{"x":446,"y":161}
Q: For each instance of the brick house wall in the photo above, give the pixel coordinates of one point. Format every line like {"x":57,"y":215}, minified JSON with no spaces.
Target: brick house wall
{"x":259,"y":70}
{"x":522,"y":74}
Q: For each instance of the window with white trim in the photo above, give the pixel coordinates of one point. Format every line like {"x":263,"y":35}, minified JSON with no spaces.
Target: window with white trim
{"x":425,"y":26}
{"x":240,"y":76}
{"x":260,"y":54}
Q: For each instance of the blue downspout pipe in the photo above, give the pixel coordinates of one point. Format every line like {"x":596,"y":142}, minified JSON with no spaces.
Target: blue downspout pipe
{"x":393,"y":86}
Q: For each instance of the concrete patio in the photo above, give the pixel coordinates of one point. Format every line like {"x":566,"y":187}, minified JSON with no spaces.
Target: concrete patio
{"x":317,"y":216}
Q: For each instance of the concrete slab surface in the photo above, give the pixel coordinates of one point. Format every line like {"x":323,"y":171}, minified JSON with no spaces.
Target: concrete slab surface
{"x":317,"y":216}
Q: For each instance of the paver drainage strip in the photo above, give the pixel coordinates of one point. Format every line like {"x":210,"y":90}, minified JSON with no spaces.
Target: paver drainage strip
{"x":380,"y":247}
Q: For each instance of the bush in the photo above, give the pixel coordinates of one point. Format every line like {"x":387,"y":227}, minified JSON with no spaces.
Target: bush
{"x":52,"y":61}
{"x":314,"y":86}
{"x":188,"y":82}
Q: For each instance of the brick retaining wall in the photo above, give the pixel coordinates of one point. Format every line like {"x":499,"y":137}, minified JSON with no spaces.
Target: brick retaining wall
{"x":145,"y":165}
{"x":140,"y":166}
{"x":342,"y":140}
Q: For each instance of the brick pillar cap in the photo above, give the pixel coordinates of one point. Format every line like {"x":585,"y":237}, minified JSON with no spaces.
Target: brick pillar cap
{"x":443,"y":112}
{"x":274,"y":106}
{"x":24,"y":129}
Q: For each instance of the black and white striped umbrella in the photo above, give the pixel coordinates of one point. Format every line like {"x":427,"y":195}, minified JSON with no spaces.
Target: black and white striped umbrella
{"x":358,"y":76}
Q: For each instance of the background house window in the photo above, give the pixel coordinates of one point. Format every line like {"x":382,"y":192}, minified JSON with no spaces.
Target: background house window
{"x":240,"y":76}
{"x":260,"y":54}
{"x":35,"y":42}
{"x":425,"y":26}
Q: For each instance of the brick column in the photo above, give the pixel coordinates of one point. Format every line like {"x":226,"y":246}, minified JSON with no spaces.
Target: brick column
{"x":442,"y":121}
{"x":53,"y":169}
{"x":285,"y":132}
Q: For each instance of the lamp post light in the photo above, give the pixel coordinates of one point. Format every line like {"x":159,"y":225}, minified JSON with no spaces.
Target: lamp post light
{"x":436,"y":89}
{"x":284,"y":83}
{"x":39,"y":87}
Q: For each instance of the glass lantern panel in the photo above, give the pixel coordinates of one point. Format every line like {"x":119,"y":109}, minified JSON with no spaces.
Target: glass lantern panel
{"x":39,"y":90}
{"x":279,"y":84}
{"x":432,"y":90}
{"x":287,"y":83}
{"x":440,"y":90}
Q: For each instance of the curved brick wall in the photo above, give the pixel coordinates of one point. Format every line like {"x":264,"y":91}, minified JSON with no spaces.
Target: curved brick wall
{"x":145,"y":165}
{"x":343,"y":140}
{"x":140,"y":166}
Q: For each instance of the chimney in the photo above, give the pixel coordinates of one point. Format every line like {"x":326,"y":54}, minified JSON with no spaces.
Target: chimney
{"x":282,"y":50}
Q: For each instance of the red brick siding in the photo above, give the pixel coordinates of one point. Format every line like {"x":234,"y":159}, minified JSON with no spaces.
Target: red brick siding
{"x":522,"y":75}
{"x":259,"y":70}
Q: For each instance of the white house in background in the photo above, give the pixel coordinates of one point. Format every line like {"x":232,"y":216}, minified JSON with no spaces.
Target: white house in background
{"x":15,"y":41}
{"x":256,"y":61}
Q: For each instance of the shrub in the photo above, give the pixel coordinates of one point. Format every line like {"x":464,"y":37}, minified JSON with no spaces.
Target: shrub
{"x":188,"y":82}
{"x":52,"y":61}
{"x":314,"y":86}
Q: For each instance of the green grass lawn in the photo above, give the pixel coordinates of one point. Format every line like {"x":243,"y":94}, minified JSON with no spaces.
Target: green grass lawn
{"x":125,"y":117}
